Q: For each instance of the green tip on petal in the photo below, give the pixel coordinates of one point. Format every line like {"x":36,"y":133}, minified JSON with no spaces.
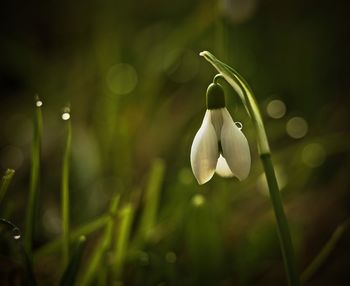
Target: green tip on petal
{"x":215,"y":96}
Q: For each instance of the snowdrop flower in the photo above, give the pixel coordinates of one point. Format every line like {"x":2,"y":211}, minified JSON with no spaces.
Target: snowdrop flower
{"x":219,"y":145}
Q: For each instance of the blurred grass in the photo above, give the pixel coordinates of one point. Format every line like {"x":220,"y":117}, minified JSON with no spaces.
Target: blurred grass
{"x":65,"y":189}
{"x":5,"y":182}
{"x":97,"y":261}
{"x":121,"y":244}
{"x":32,"y":205}
{"x":70,"y":273}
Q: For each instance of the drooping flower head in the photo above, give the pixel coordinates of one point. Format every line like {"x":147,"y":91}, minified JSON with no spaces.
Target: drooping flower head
{"x":219,"y":145}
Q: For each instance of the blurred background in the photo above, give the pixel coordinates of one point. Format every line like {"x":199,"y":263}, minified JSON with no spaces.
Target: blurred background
{"x":132,"y":75}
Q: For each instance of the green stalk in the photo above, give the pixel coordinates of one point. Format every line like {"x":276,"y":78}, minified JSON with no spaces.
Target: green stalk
{"x":282,"y":224}
{"x":5,"y":182}
{"x":244,"y":91}
{"x":320,"y":259}
{"x":96,"y":260}
{"x":151,"y":201}
{"x":34,"y":181}
{"x":70,"y":274}
{"x":65,"y":189}
{"x":122,"y":238}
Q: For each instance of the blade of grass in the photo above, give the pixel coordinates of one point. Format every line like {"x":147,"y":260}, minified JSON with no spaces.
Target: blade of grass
{"x":321,"y":258}
{"x":70,"y":274}
{"x":96,"y":260}
{"x":122,"y":238}
{"x":34,"y":180}
{"x":151,"y":201}
{"x":86,"y":229}
{"x":5,"y":182}
{"x":30,"y":277}
{"x":65,"y":188}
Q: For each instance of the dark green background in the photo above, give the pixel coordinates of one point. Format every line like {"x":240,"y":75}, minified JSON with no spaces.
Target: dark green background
{"x":296,"y":51}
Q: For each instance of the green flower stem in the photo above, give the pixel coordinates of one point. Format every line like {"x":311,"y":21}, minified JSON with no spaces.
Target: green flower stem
{"x":282,"y":224}
{"x":65,"y":194}
{"x":5,"y":182}
{"x":244,"y":91}
{"x":34,"y":182}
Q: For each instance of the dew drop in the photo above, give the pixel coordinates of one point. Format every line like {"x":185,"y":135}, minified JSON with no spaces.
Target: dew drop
{"x":239,"y":125}
{"x":38,"y":103}
{"x":65,"y":116}
{"x":16,"y":233}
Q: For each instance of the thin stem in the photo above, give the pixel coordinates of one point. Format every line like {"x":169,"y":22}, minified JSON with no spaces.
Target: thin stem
{"x":238,"y":83}
{"x":85,"y":229}
{"x":217,"y":77}
{"x":122,"y":238}
{"x":5,"y":182}
{"x":34,"y":181}
{"x":96,"y":260}
{"x":320,"y":259}
{"x":281,"y":219}
{"x":151,"y":202}
{"x":70,"y":274}
{"x":65,"y":190}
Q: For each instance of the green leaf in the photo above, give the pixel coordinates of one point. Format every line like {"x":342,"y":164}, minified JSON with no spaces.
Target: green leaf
{"x":70,"y":274}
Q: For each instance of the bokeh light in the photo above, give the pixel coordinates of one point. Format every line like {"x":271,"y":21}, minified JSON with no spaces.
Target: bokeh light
{"x":198,"y":200}
{"x":297,"y":127}
{"x":313,"y":155}
{"x":122,"y":78}
{"x":276,"y":109}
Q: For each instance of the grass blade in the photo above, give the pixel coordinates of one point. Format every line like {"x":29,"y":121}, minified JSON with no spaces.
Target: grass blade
{"x":122,"y":238}
{"x":321,"y":258}
{"x":5,"y":182}
{"x":100,"y":250}
{"x":151,"y":201}
{"x":82,"y":230}
{"x":65,"y":188}
{"x":70,"y":274}
{"x":34,"y":180}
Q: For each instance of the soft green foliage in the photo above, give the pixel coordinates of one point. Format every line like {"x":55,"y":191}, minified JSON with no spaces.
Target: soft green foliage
{"x":136,"y":86}
{"x":126,"y":216}
{"x":151,"y":201}
{"x":98,"y":258}
{"x":70,"y":273}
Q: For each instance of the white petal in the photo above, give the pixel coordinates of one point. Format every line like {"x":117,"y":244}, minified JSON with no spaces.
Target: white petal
{"x":235,"y":147}
{"x":222,"y":169}
{"x":204,"y":151}
{"x":216,"y":120}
